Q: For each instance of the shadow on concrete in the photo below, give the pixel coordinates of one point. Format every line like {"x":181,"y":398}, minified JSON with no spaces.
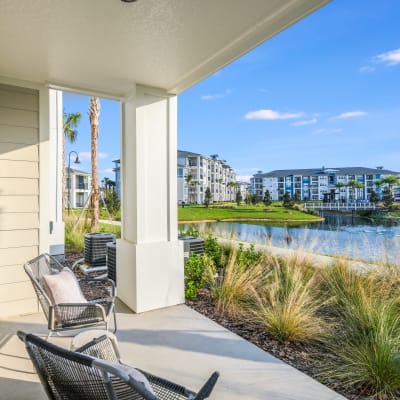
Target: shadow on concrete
{"x":203,"y":341}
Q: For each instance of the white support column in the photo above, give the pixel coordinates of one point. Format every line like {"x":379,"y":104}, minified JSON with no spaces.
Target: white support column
{"x":55,"y":222}
{"x":149,"y":255}
{"x":50,"y":122}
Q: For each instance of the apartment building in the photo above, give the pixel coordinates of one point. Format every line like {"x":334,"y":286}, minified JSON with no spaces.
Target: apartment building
{"x":78,"y":187}
{"x":197,"y":172}
{"x":327,"y":184}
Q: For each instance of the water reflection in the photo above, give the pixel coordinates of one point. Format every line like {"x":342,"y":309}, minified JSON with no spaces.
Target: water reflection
{"x":339,"y":235}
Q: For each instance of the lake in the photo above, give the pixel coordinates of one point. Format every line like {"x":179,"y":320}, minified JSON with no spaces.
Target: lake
{"x":337,"y":235}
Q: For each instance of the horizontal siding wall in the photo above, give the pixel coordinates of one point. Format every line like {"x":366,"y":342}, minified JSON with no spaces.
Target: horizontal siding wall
{"x":19,"y":196}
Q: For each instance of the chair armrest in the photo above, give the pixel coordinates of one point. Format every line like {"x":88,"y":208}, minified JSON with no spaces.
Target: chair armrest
{"x":208,"y":387}
{"x":109,"y":369}
{"x":160,"y":385}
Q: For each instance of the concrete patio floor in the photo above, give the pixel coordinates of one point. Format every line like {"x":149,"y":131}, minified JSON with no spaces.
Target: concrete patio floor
{"x":177,"y":343}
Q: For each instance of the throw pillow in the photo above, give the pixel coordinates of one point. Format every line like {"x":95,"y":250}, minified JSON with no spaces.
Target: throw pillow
{"x":63,"y":288}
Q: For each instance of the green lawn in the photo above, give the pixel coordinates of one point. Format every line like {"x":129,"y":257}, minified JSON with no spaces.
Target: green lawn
{"x":242,"y":212}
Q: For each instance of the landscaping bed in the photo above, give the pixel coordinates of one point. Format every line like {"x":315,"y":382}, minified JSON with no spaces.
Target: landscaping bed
{"x":336,"y":325}
{"x":308,"y":358}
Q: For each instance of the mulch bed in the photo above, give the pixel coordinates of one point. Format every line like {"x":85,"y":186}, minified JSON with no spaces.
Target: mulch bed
{"x":308,"y":358}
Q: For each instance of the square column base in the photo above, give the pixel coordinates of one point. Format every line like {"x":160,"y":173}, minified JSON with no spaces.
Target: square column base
{"x":150,"y":275}
{"x":57,"y":239}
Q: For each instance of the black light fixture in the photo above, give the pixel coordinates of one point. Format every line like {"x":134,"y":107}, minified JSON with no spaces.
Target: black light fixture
{"x":128,"y":1}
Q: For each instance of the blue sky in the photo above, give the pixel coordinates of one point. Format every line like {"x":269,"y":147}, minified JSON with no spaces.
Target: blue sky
{"x":325,"y":92}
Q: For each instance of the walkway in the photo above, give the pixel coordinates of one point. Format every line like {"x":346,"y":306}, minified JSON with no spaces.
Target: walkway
{"x":339,"y":206}
{"x":177,"y":343}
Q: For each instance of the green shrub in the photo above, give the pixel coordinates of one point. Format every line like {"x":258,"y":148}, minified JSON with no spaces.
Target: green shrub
{"x":213,"y":250}
{"x":194,"y":274}
{"x":247,"y":256}
{"x":189,"y":232}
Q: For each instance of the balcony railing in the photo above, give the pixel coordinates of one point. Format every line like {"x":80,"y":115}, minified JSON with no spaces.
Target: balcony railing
{"x":82,"y":186}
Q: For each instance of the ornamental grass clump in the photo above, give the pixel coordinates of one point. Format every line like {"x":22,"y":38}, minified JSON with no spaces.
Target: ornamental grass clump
{"x":366,"y":342}
{"x":75,"y":233}
{"x":288,"y":303}
{"x":74,"y":236}
{"x":233,"y":288}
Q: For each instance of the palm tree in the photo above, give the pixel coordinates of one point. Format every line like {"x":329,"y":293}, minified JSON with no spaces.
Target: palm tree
{"x":358,"y":186}
{"x":94,"y":115}
{"x":70,"y":122}
{"x":189,"y":179}
{"x":234,"y":186}
{"x":352,"y":184}
{"x":391,"y":181}
{"x":193,"y":191}
{"x":339,"y":185}
{"x":379,"y":183}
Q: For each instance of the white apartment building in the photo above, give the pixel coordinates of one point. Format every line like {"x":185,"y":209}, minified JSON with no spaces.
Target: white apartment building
{"x":78,"y":185}
{"x":327,"y":184}
{"x":243,"y":189}
{"x":205,"y":172}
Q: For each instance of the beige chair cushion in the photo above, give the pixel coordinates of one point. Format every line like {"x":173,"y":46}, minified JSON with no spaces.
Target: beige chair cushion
{"x":63,"y":288}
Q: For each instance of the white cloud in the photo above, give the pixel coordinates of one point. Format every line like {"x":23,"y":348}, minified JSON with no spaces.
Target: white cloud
{"x":244,"y":170}
{"x":214,"y":96}
{"x":351,"y":114}
{"x":243,"y":178}
{"x":107,"y":171}
{"x":367,"y":68}
{"x":85,"y":155}
{"x":305,"y":122}
{"x":272,"y":115}
{"x":327,"y":131}
{"x":390,"y":57}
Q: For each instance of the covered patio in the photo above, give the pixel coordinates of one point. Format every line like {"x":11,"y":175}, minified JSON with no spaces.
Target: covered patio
{"x":143,"y":54}
{"x":176,"y":343}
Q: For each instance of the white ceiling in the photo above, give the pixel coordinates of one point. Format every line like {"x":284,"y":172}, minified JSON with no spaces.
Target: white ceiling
{"x":107,"y":45}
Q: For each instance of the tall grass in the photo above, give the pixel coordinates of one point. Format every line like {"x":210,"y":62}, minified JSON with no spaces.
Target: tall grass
{"x":280,"y":293}
{"x":367,"y":339}
{"x":288,"y":303}
{"x":75,"y":233}
{"x":354,"y":313}
{"x":233,"y":288}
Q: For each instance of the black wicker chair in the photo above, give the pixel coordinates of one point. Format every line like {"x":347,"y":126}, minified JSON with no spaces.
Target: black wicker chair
{"x":100,"y":295}
{"x":71,"y":375}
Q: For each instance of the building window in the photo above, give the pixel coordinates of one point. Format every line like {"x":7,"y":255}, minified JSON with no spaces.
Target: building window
{"x":81,"y":182}
{"x":80,"y":200}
